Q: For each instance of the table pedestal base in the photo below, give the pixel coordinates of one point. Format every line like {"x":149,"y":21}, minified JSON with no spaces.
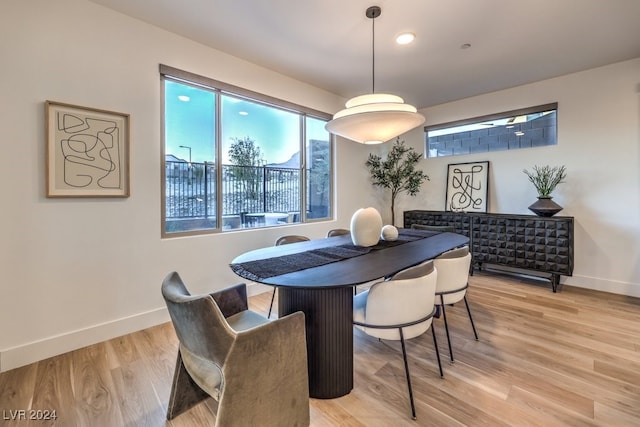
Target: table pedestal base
{"x":329,"y":327}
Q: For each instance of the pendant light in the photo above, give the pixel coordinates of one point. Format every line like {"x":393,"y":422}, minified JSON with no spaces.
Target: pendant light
{"x":376,"y":117}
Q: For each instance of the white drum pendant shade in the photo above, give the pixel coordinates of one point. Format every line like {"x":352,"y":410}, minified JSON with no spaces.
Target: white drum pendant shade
{"x":366,"y":224}
{"x":374,"y":118}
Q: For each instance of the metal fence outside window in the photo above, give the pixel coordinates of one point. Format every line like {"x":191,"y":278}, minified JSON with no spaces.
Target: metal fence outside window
{"x":190,"y":190}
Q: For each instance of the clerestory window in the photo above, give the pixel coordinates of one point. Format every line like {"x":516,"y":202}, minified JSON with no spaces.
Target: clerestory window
{"x":236,"y":159}
{"x":510,"y":130}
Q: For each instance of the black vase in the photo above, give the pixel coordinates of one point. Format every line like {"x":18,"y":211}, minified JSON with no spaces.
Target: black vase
{"x":545,"y":207}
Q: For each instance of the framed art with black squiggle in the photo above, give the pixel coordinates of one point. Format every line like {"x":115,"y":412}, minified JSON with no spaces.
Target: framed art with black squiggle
{"x":467,"y":187}
{"x":87,"y":151}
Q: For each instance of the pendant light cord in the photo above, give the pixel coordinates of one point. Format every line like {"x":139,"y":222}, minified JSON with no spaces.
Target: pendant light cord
{"x":372,"y":13}
{"x":373,"y":55}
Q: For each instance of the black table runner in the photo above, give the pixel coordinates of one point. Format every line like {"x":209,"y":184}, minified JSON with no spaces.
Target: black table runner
{"x":264,"y":268}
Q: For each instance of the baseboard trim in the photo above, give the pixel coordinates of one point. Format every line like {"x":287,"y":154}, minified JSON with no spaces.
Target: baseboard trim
{"x":604,"y":285}
{"x":35,"y":351}
{"x":585,"y":282}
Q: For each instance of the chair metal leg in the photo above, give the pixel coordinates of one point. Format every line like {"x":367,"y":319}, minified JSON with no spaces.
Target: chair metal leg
{"x":273,"y":296}
{"x":470,"y":318}
{"x":446,"y":327}
{"x":406,"y":369}
{"x":435,"y":345}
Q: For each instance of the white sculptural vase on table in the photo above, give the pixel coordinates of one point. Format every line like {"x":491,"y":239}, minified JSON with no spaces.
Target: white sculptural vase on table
{"x":366,"y":224}
{"x":389,"y":233}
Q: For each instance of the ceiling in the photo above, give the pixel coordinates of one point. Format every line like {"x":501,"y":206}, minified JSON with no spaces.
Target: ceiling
{"x":328,"y":43}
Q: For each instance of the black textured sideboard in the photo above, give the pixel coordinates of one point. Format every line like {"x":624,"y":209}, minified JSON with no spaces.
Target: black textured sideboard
{"x":529,"y":242}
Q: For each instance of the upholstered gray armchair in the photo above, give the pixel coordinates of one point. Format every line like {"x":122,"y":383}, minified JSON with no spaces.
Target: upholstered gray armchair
{"x":255,"y":368}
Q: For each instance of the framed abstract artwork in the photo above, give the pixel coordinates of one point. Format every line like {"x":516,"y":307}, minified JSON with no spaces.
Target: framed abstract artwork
{"x":87,"y":151}
{"x":467,"y":185}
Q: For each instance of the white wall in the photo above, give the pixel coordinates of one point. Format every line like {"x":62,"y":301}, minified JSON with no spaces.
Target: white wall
{"x":598,"y":141}
{"x":78,"y":271}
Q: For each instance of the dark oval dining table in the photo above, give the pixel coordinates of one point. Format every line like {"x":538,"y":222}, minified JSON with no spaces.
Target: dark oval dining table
{"x":324,"y":292}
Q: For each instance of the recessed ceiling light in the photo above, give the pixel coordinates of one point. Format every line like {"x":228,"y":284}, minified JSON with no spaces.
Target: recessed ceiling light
{"x":243,"y":113}
{"x":405,"y":38}
{"x":519,"y":133}
{"x":183,"y":98}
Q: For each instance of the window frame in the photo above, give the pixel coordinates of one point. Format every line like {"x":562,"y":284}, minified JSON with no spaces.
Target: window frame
{"x":485,"y":118}
{"x":219,"y":89}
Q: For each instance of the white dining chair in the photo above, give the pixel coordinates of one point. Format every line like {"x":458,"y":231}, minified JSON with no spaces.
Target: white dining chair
{"x":399,"y":309}
{"x":453,"y":281}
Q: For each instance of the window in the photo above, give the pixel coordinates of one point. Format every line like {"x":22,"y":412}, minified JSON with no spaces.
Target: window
{"x":525,"y":128}
{"x":236,"y":159}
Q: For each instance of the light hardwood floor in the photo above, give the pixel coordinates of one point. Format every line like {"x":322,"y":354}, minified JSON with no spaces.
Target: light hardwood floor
{"x":543,"y":359}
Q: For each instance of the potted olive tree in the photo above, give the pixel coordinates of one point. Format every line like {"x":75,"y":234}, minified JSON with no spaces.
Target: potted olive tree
{"x":397,"y":172}
{"x":545,"y":179}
